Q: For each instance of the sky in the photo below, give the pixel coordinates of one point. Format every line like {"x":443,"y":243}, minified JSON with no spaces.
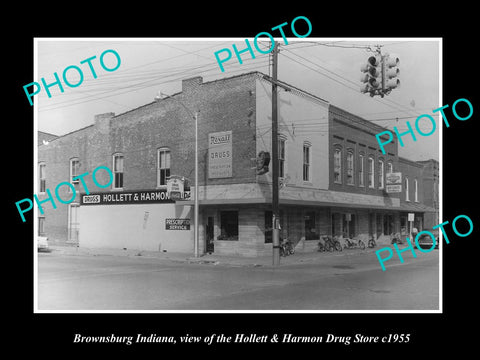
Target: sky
{"x":327,"y":68}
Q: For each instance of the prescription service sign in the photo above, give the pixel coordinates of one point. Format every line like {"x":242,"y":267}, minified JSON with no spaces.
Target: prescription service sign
{"x":220,"y":155}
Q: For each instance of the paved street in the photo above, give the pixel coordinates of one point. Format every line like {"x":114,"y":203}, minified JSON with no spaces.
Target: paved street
{"x":350,"y":280}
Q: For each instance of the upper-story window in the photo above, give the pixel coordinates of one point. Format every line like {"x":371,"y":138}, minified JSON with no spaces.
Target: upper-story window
{"x":407,"y":190}
{"x":381,"y":174}
{"x":389,"y":167}
{"x":163,"y":166}
{"x":74,"y":170}
{"x":337,"y":166}
{"x":118,"y":171}
{"x":361,"y":170}
{"x":42,"y":180}
{"x":281,"y":157}
{"x":415,"y":188}
{"x":350,"y":169}
{"x":371,"y":172}
{"x":306,"y":162}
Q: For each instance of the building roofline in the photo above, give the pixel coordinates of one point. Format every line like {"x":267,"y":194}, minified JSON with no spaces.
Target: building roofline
{"x":410,"y":162}
{"x":363,"y":121}
{"x":69,"y":133}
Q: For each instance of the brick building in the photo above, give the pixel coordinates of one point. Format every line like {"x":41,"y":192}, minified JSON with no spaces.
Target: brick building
{"x":332,"y":173}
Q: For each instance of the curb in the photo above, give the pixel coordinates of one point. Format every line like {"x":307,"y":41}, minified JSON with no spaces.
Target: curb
{"x":298,"y":258}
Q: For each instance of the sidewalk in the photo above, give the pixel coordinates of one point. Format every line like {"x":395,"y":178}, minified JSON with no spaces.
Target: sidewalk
{"x":216,"y":259}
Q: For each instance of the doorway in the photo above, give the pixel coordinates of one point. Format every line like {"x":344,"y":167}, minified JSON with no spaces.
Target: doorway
{"x":73,"y":222}
{"x":209,"y":235}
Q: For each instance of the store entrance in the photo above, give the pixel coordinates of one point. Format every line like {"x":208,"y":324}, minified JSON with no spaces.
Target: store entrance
{"x":209,"y":235}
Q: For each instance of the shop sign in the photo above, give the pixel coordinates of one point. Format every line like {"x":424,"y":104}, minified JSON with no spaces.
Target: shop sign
{"x":393,"y":182}
{"x":128,"y":197}
{"x":177,"y":224}
{"x":175,"y":187}
{"x":220,"y":155}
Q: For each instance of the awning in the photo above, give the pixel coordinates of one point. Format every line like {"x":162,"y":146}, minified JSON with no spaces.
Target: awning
{"x":258,"y":193}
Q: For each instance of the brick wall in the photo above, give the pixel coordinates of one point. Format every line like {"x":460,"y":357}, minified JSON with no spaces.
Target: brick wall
{"x":227,"y":104}
{"x":412,"y":171}
{"x":350,"y":132}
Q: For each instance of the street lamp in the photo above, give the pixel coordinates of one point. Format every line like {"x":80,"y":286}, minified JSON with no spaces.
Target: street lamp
{"x":195,"y":206}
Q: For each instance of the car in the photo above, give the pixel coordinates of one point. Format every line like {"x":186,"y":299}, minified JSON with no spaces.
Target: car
{"x":425,"y":241}
{"x":42,"y":243}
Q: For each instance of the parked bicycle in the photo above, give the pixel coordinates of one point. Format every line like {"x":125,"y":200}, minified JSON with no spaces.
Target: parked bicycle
{"x":396,"y":238}
{"x":372,"y":243}
{"x":352,"y":243}
{"x":326,"y":243}
{"x":287,"y":248}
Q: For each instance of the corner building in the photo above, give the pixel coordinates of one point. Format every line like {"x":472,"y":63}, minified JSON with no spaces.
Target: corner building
{"x":332,"y":173}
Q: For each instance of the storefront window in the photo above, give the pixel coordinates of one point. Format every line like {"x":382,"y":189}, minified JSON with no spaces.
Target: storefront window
{"x":388,"y":224}
{"x":228,"y":225}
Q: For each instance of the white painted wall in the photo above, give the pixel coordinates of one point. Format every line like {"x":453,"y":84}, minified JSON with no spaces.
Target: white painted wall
{"x":295,"y":112}
{"x":128,"y":226}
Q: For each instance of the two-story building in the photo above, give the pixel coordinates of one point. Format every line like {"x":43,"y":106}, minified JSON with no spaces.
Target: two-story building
{"x":332,"y":173}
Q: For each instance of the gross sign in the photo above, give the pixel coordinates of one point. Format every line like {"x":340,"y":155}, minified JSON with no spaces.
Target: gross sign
{"x":220,"y":155}
{"x":393,"y":182}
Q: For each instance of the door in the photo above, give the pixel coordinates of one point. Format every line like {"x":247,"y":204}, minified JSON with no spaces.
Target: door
{"x":209,"y":235}
{"x":73,"y":223}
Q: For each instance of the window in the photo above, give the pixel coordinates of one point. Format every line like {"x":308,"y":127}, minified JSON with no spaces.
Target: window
{"x":389,"y":168}
{"x":281,"y":157}
{"x":310,"y":229}
{"x":361,"y":174}
{"x":74,"y":170}
{"x":337,"y":166}
{"x":407,"y":190}
{"x":381,"y":174}
{"x":42,"y":177}
{"x":371,"y":172}
{"x":41,"y":226}
{"x":350,"y":177}
{"x":306,"y":162}
{"x":228,"y":225}
{"x":163,"y":166}
{"x":118,"y":171}
{"x":415,"y":188}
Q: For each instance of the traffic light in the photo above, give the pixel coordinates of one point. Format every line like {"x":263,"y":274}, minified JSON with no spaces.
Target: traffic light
{"x":391,"y":72}
{"x":372,"y":75}
{"x":380,"y":74}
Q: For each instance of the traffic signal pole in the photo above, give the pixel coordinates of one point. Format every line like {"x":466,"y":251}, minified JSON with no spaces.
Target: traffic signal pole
{"x":275,"y":164}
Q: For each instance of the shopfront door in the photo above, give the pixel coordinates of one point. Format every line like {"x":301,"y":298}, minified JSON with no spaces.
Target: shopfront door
{"x":209,"y":235}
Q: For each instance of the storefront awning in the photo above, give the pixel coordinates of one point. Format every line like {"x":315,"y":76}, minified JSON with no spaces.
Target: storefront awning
{"x":255,"y":193}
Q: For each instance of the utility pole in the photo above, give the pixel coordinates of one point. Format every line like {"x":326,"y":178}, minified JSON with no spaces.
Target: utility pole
{"x":275,"y":164}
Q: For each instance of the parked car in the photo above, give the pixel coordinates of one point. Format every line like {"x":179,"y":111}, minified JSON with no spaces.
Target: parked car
{"x":42,"y":243}
{"x":425,"y":241}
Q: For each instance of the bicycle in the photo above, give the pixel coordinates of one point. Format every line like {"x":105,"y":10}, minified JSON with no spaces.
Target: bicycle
{"x":396,"y":238}
{"x":286,"y":248}
{"x":372,"y":243}
{"x":329,"y":244}
{"x":351,"y":243}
